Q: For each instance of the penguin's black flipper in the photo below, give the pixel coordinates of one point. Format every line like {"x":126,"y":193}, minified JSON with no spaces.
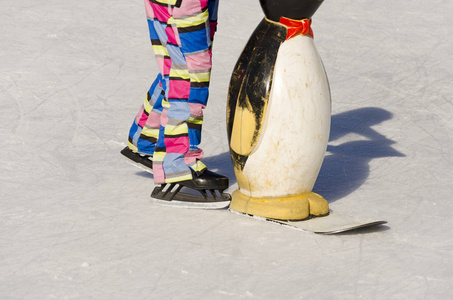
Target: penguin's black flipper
{"x":249,"y":89}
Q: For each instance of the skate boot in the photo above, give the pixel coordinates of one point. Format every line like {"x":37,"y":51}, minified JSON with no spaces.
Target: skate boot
{"x":142,"y":161}
{"x":203,"y":191}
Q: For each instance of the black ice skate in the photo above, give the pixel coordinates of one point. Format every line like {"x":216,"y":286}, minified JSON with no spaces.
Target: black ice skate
{"x":142,"y":161}
{"x":204,"y":191}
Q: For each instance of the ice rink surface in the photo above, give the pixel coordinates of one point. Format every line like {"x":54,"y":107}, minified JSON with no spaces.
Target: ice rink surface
{"x":77,"y":222}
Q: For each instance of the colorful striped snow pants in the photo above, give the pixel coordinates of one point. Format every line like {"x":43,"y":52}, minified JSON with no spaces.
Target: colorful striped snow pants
{"x":168,"y":126}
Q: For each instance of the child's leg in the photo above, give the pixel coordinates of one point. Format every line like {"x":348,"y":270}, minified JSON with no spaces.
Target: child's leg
{"x":196,"y":22}
{"x":182,"y":45}
{"x":144,"y":131}
{"x":188,"y":88}
{"x":188,"y":45}
{"x":145,"y":128}
{"x":168,"y":158}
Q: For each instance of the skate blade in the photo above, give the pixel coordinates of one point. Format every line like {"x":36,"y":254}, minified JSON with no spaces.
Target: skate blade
{"x":137,"y":160}
{"x":174,"y":195}
{"x":138,"y":165}
{"x":193,"y":205}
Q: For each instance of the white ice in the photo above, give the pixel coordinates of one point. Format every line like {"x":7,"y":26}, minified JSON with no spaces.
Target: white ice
{"x":77,"y":222}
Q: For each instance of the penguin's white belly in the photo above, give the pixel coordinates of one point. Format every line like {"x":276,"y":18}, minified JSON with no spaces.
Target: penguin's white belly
{"x":292,"y":145}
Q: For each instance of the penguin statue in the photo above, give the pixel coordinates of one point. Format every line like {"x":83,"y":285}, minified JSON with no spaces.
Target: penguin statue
{"x":278,"y":116}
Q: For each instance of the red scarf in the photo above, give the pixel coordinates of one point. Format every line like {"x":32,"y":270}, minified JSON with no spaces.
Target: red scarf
{"x":296,"y":27}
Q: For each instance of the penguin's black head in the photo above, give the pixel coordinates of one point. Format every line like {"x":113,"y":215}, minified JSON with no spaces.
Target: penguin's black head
{"x":291,"y":9}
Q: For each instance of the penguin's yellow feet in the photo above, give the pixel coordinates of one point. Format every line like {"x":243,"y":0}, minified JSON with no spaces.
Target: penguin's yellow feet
{"x":285,"y":208}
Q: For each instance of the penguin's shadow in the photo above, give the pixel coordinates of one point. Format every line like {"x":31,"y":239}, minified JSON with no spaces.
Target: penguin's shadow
{"x":346,"y":164}
{"x":352,"y":145}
